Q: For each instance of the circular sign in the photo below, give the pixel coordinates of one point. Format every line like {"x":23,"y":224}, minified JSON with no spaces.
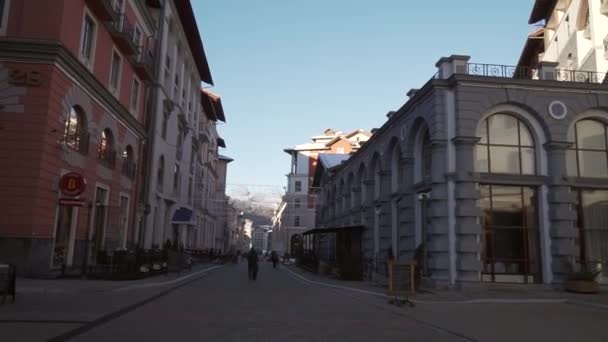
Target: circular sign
{"x":558,"y":110}
{"x":72,"y":184}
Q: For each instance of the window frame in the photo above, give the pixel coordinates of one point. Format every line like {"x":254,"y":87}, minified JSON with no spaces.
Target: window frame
{"x":297,"y":221}
{"x":90,"y":60}
{"x":79,"y":143}
{"x":5,"y":7}
{"x":297,"y":186}
{"x":134,"y":106}
{"x":577,"y":149}
{"x":115,"y":90}
{"x":487,"y":146}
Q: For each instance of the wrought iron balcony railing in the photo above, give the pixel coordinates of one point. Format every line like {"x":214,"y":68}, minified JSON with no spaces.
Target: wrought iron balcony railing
{"x":520,"y":72}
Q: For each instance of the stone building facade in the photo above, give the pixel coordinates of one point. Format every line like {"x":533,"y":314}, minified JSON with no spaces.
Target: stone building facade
{"x":493,"y":178}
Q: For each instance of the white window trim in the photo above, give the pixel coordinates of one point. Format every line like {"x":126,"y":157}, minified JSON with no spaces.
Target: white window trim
{"x":4,"y":19}
{"x":105,"y":219}
{"x":89,"y":63}
{"x":136,"y":109}
{"x":122,"y":195}
{"x":116,"y":91}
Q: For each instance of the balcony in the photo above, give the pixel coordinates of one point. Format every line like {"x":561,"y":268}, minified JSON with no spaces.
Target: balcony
{"x":102,"y":9}
{"x":122,"y":30}
{"x":143,"y":62}
{"x":520,"y":72}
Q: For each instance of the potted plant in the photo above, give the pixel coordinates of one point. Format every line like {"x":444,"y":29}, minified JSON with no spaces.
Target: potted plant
{"x":583,"y":282}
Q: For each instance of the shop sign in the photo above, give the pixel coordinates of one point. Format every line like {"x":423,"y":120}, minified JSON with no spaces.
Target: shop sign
{"x":71,"y":202}
{"x":72,"y":184}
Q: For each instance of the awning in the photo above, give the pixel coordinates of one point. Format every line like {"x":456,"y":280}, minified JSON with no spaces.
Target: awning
{"x":182,"y":215}
{"x":221,"y":142}
{"x":333,"y":230}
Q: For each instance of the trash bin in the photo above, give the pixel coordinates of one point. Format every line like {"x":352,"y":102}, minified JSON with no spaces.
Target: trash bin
{"x":7,"y":281}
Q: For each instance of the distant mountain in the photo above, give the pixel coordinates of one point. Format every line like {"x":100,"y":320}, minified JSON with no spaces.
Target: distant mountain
{"x":258,"y":214}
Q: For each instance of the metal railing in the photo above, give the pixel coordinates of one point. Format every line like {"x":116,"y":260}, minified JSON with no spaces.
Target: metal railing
{"x":580,"y":76}
{"x":523,"y":72}
{"x":501,"y":71}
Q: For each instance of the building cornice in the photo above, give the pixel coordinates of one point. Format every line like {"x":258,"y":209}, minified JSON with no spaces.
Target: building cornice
{"x":53,"y":52}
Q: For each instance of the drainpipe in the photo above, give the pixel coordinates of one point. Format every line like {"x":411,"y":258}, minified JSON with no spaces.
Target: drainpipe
{"x":152,"y":114}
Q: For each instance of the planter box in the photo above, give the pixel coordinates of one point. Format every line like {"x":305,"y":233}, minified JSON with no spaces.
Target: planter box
{"x":582,"y":286}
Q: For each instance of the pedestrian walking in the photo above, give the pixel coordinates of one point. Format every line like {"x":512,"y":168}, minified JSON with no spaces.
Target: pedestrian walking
{"x":252,"y":264}
{"x":275,"y":259}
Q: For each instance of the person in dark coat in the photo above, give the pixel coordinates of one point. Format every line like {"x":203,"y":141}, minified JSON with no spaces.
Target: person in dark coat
{"x":275,"y":259}
{"x":252,"y":264}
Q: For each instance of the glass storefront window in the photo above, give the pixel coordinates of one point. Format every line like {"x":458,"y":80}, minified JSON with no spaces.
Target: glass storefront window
{"x":593,"y":229}
{"x":588,"y":157}
{"x":505,"y":146}
{"x":62,"y":236}
{"x":510,"y":237}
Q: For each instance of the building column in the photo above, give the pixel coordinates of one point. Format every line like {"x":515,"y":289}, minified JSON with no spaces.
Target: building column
{"x":437,"y":214}
{"x":557,"y":241}
{"x":468,"y":229}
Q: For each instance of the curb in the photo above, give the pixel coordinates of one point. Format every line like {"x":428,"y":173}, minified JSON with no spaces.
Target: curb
{"x":467,"y":301}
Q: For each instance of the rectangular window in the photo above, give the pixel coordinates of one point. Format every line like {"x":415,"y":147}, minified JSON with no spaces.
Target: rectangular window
{"x":137,"y":37}
{"x":164,"y":128}
{"x":176,"y":179}
{"x":340,"y":150}
{"x":3,"y":11}
{"x":296,"y":221}
{"x":124,"y":220}
{"x":297,"y":203}
{"x":88,"y":40}
{"x":298,"y":186}
{"x":135,"y":96}
{"x":115,"y":73}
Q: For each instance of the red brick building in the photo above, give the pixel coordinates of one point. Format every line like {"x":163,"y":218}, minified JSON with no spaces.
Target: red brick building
{"x":73,"y":85}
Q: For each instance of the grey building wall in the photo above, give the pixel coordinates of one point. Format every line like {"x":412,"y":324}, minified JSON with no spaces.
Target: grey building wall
{"x":450,"y":107}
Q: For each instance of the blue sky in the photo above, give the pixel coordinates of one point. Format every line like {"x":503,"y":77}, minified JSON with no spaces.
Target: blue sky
{"x":287,"y":70}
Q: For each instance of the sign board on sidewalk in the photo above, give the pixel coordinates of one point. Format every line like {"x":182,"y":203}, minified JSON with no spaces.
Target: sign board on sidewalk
{"x":72,"y":202}
{"x":401,"y":278}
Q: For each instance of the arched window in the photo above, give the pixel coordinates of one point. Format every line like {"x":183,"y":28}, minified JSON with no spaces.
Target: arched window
{"x":588,"y":156}
{"x":75,"y":134}
{"x":396,"y":169}
{"x":160,"y":173}
{"x":426,"y":156}
{"x":107,"y":154}
{"x":377,"y":177}
{"x":128,"y":164}
{"x":505,"y":146}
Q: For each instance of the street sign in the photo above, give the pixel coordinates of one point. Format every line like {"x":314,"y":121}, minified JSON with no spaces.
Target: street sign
{"x":71,"y":202}
{"x":72,"y":184}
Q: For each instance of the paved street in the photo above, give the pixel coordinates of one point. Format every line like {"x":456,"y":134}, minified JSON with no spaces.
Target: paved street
{"x":222,"y":305}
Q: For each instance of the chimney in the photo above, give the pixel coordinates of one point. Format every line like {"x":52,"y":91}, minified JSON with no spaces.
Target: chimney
{"x":390,"y":114}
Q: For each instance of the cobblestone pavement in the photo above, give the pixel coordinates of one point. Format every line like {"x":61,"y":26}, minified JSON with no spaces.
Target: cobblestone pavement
{"x":222,"y":305}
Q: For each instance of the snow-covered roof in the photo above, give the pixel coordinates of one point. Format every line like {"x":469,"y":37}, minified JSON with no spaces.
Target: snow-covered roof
{"x":329,"y":160}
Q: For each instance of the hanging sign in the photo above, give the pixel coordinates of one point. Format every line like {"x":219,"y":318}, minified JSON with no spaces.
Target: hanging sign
{"x":72,"y":184}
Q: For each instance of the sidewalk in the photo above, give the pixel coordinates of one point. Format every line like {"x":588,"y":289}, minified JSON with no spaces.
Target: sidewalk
{"x":492,"y":293}
{"x":90,"y":286}
{"x":74,"y":300}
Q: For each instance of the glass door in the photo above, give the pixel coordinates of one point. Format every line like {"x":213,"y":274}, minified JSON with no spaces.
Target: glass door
{"x":510,"y":248}
{"x":592,"y":226}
